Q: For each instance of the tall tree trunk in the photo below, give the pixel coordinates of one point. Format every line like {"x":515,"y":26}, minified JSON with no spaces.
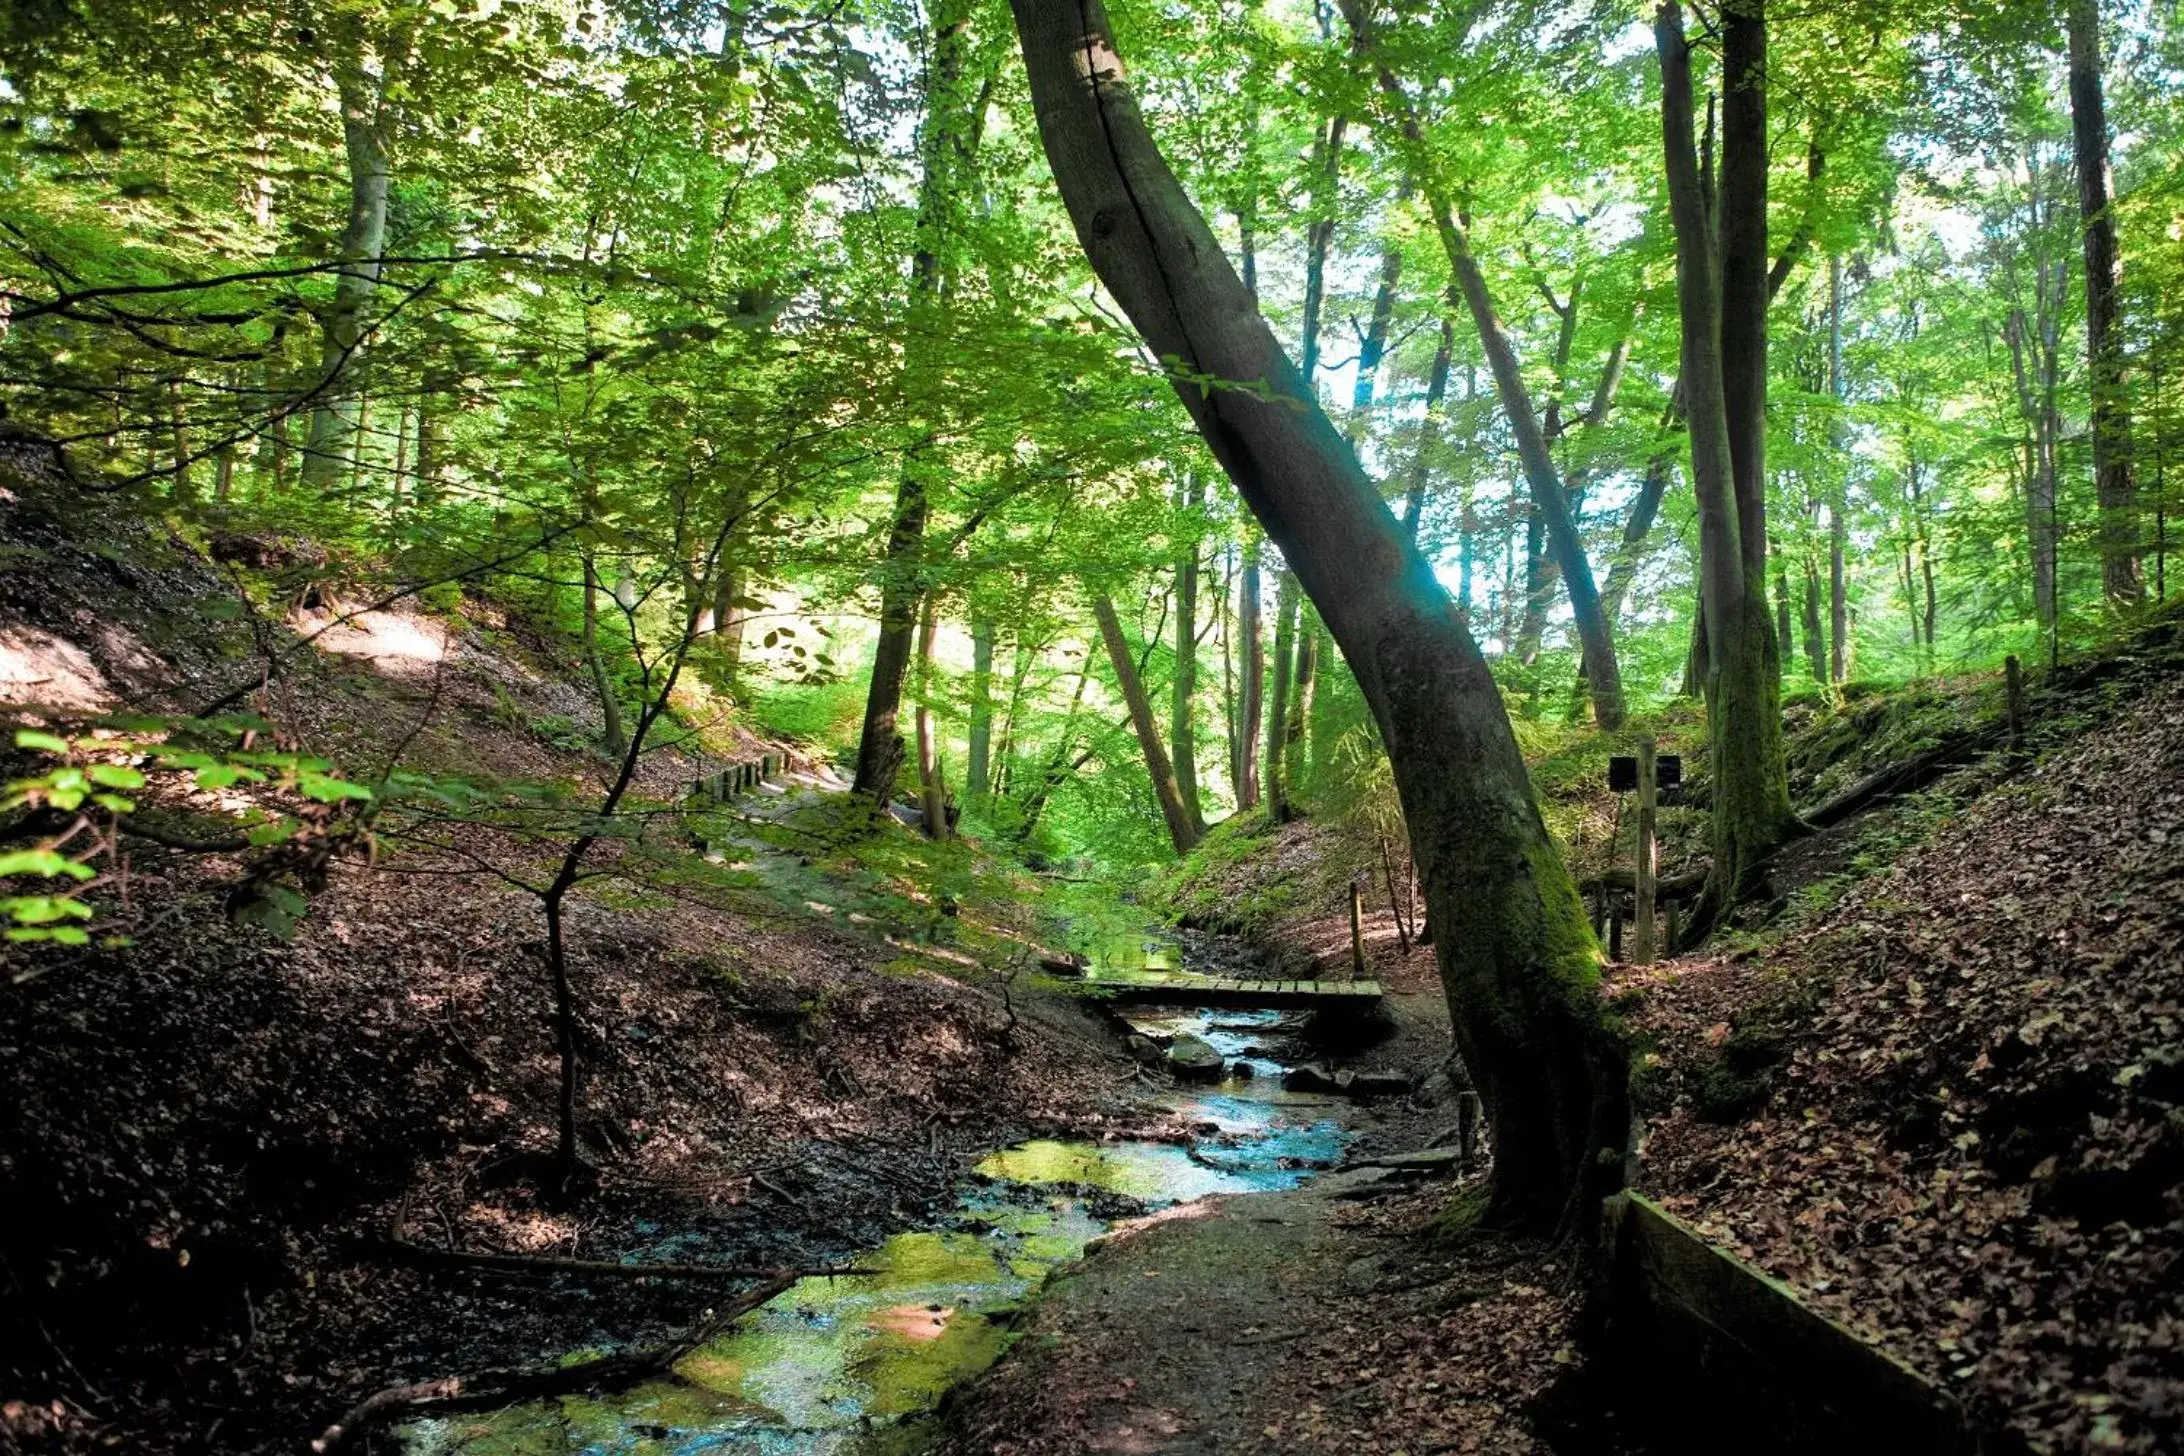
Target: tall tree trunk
{"x":1182,"y":833}
{"x":1319,"y":237}
{"x":595,"y":662}
{"x":365,"y":122}
{"x":1429,"y":432}
{"x":1785,"y":638}
{"x":977,"y":774}
{"x":1277,"y":718}
{"x":948,"y":144}
{"x":1182,"y":719}
{"x":1550,"y":500}
{"x":1058,"y":764}
{"x":182,"y":490}
{"x":1516,"y":954}
{"x":2110,"y":416}
{"x":1838,"y":498}
{"x":1816,"y":640}
{"x":1303,"y":685}
{"x":932,"y":780}
{"x":1250,"y":693}
{"x":1372,"y":350}
{"x":1722,"y":297}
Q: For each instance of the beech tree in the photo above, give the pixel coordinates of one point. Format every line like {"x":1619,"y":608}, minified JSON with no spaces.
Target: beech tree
{"x":1515,"y":952}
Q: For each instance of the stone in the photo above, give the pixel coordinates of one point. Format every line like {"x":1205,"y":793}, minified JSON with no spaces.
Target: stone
{"x":1145,"y":1049}
{"x":1242,"y":1070}
{"x":1309,"y":1077}
{"x":1379,"y":1084}
{"x":1362,"y":1275}
{"x":1193,"y":1059}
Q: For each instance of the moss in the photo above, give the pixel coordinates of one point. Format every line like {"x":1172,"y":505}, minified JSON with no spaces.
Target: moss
{"x":1462,"y":1216}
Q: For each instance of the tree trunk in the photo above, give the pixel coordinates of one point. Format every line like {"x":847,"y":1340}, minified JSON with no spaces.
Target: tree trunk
{"x":1182,"y":833}
{"x":1839,"y":643}
{"x":1429,"y":432}
{"x":365,"y":122}
{"x":1516,"y":956}
{"x":1319,"y":238}
{"x":977,"y":774}
{"x":1816,"y":641}
{"x":1182,"y":720}
{"x":932,"y":782}
{"x":948,"y":145}
{"x":1373,"y":348}
{"x":1250,"y":693}
{"x":2110,"y":414}
{"x":1838,"y":529}
{"x":1277,"y":717}
{"x":182,"y":490}
{"x":610,"y":703}
{"x":1303,"y":684}
{"x":1722,"y":298}
{"x":1550,"y":500}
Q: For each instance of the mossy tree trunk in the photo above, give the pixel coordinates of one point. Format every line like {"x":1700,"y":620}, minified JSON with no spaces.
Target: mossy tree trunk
{"x":1516,"y":955}
{"x":1722,"y":292}
{"x":1183,"y":830}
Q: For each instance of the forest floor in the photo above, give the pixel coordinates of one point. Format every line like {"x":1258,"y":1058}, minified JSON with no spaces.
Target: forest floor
{"x":206,"y":1142}
{"x":1937,"y":1094}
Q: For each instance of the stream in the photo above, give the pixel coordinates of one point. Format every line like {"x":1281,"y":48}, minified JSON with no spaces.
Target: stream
{"x":857,"y":1364}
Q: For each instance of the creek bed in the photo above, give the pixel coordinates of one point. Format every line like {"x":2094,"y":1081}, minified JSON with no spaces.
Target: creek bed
{"x":854,"y":1365}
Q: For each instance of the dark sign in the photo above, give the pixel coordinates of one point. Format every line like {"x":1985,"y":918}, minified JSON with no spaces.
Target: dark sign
{"x":1623,"y":772}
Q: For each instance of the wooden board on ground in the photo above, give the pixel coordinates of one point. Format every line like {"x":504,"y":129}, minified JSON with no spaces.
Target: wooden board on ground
{"x":1183,"y":989}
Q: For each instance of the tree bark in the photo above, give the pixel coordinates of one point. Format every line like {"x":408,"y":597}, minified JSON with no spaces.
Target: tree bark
{"x":1250,"y":693}
{"x":1429,"y":432}
{"x":1320,"y":236}
{"x":1182,"y":833}
{"x":1722,"y":297}
{"x":1838,"y":498}
{"x":1516,"y":955}
{"x":1182,"y":720}
{"x":1277,"y":717}
{"x":1303,"y":686}
{"x":977,"y":773}
{"x":948,"y":144}
{"x":932,"y":780}
{"x":2110,"y":415}
{"x":365,"y":121}
{"x":1550,"y":499}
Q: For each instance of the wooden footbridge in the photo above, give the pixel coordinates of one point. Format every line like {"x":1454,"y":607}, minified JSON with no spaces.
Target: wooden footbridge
{"x":1182,"y":988}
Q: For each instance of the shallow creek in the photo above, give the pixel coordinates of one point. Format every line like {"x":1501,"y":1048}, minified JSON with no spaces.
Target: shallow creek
{"x":852,"y":1365}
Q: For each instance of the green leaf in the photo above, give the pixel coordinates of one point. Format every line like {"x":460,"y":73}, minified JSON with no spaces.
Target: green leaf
{"x":43,"y":862}
{"x":328,"y":790}
{"x":43,"y":909}
{"x":58,"y":934}
{"x":32,"y":738}
{"x":273,"y":832}
{"x":220,"y":775}
{"x":274,"y":909}
{"x":115,"y":776}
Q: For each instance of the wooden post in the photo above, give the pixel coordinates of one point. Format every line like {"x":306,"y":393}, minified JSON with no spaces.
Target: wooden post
{"x":1668,"y":927}
{"x":1642,"y":921}
{"x":1357,"y":932}
{"x":2014,"y":681}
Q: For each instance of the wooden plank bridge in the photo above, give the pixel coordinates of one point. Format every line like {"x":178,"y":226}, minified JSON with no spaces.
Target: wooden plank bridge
{"x":1181,"y":988}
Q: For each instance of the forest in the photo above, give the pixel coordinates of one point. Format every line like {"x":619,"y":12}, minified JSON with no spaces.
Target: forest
{"x":1204,"y":726}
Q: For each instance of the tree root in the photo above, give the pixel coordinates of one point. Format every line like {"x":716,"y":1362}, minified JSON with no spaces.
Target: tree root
{"x":486,"y":1389}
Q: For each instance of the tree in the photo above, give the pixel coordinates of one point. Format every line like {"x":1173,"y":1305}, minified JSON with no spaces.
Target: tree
{"x":1721,"y":290}
{"x":1183,"y":830}
{"x":1515,"y":951}
{"x":2111,"y":416}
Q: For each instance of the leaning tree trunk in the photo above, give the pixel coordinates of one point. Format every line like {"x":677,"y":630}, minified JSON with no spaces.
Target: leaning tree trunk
{"x":2110,"y":416}
{"x":1183,"y":833}
{"x":1550,"y":499}
{"x":1516,"y":955}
